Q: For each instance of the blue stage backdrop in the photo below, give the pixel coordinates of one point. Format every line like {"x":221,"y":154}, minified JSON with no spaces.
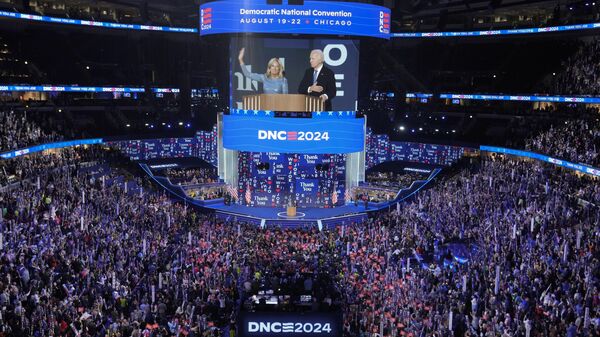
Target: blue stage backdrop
{"x":293,"y":135}
{"x":341,"y":56}
{"x":273,"y":179}
{"x":313,"y":17}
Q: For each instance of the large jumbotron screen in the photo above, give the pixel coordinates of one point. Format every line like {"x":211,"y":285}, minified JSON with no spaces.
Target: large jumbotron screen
{"x":341,"y":56}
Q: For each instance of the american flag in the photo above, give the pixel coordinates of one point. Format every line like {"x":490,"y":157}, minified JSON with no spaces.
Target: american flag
{"x":348,"y":194}
{"x":232,"y":191}
{"x":248,"y":194}
{"x":334,"y":197}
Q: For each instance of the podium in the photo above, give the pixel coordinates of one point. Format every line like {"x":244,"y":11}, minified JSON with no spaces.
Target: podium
{"x":291,"y":211}
{"x":283,"y":103}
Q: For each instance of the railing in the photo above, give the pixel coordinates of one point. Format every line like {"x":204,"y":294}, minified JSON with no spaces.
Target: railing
{"x":544,"y":158}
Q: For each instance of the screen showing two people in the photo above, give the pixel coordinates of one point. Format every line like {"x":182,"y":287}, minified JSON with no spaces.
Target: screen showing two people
{"x":323,"y":68}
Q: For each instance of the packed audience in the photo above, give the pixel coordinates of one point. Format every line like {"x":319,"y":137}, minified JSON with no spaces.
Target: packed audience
{"x":527,"y":220}
{"x":581,"y":72}
{"x":368,"y":194}
{"x":19,"y":169}
{"x":17,"y":131}
{"x":206,"y":193}
{"x":82,"y":257}
{"x":393,"y":179}
{"x":192,"y":176}
{"x":576,"y":140}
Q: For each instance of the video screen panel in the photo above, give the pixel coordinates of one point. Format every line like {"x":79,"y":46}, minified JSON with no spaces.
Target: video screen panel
{"x":341,"y":56}
{"x":274,"y":324}
{"x":274,"y":179}
{"x":312,"y":17}
{"x":293,"y":135}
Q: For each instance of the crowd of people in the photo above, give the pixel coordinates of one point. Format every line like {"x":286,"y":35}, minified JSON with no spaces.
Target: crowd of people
{"x":366,"y":194}
{"x":393,"y":179}
{"x":576,"y":140}
{"x":17,"y":131}
{"x":580,"y":75}
{"x":79,"y":257}
{"x":18,"y":169}
{"x":206,"y":192}
{"x":192,"y":176}
{"x":536,"y":228}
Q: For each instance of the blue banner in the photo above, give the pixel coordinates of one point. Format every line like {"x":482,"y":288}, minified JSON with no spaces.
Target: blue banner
{"x":59,"y":88}
{"x":89,"y":23}
{"x":560,"y":99}
{"x":516,"y":98}
{"x":293,"y":135}
{"x":418,"y":95}
{"x":49,"y":146}
{"x":314,"y":17}
{"x":559,"y":162}
{"x":500,"y":31}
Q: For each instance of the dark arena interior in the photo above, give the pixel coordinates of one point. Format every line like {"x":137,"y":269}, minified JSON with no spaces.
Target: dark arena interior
{"x":299,"y":168}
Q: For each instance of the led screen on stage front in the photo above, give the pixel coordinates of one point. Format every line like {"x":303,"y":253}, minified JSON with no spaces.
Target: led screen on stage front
{"x":274,"y":179}
{"x":278,"y":324}
{"x":293,"y":135}
{"x":340,"y":56}
{"x":313,"y":17}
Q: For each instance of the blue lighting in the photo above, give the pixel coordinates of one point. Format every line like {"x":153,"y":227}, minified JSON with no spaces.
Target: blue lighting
{"x":49,"y":146}
{"x":559,"y":162}
{"x":101,"y":24}
{"x":499,"y":32}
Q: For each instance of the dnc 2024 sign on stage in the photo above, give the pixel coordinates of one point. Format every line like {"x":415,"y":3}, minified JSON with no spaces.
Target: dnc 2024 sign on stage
{"x":314,"y":17}
{"x":293,"y":135}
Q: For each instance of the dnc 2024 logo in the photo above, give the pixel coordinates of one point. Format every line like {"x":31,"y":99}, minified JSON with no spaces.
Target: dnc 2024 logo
{"x":289,"y":327}
{"x":384,"y":22}
{"x":293,"y":135}
{"x":206,"y":18}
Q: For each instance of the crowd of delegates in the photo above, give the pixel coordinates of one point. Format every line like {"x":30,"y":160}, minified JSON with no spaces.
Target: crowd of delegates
{"x":393,"y":179}
{"x":80,"y":258}
{"x":215,"y":191}
{"x":581,"y":72}
{"x":192,"y":176}
{"x":19,"y":169}
{"x":366,"y":194}
{"x":576,"y":140}
{"x":140,"y":265}
{"x":527,"y":220}
{"x":17,"y":131}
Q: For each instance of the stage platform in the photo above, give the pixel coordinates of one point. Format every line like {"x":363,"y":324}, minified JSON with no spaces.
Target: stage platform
{"x":269,"y":216}
{"x":275,"y":216}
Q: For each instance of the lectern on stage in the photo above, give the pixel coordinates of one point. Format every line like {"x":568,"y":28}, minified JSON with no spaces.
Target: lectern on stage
{"x":283,"y":103}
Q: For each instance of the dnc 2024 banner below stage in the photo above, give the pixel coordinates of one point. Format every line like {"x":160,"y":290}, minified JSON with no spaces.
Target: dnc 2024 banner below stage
{"x":293,"y":135}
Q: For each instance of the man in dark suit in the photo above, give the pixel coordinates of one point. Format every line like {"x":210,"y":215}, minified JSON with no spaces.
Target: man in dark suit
{"x":318,"y":80}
